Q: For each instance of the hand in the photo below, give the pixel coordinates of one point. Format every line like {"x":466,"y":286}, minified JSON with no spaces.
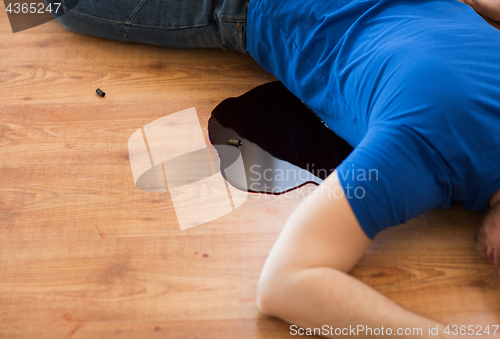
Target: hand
{"x":487,"y":8}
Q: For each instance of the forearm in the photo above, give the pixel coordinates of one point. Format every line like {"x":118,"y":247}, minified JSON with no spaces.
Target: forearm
{"x":304,"y":279}
{"x":321,"y":296}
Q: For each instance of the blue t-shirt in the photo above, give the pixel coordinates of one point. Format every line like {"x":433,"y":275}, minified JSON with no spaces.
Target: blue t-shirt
{"x":413,"y":85}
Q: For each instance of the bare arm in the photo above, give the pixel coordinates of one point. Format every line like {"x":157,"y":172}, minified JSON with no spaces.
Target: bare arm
{"x":304,"y":279}
{"x":489,"y":9}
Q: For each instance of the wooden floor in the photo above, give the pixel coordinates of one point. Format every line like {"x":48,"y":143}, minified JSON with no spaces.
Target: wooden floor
{"x":85,"y":254}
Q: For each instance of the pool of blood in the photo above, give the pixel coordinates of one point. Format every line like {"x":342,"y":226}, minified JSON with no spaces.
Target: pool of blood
{"x":283,"y":143}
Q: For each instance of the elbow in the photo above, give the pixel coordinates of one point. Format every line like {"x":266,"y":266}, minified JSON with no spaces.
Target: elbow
{"x":274,"y":293}
{"x":264,"y":298}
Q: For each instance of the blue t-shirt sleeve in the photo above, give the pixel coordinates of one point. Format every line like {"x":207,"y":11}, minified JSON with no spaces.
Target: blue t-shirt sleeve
{"x":393,"y":175}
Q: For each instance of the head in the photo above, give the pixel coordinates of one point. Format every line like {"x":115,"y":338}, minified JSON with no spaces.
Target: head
{"x":488,"y":236}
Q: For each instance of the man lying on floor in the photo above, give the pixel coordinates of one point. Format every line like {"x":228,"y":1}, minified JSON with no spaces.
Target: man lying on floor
{"x":414,"y":86}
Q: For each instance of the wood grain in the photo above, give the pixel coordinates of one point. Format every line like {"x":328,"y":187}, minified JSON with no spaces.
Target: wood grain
{"x":84,"y":254}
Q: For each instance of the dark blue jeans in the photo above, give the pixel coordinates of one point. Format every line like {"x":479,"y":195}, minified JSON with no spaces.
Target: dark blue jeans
{"x":169,"y":23}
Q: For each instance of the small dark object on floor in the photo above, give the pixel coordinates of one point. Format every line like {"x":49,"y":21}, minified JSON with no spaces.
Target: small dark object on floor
{"x":101,"y":93}
{"x":234,"y":142}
